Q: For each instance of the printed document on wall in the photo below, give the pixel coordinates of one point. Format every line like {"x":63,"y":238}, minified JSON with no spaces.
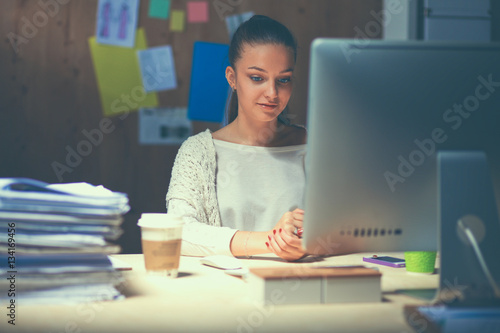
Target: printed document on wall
{"x":163,"y":126}
{"x":234,"y":21}
{"x":157,"y":68}
{"x":116,"y":22}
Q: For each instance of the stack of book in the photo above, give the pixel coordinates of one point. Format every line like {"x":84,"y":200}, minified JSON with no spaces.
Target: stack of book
{"x":55,"y":241}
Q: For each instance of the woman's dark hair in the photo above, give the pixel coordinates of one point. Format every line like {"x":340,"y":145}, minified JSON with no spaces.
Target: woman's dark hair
{"x":257,"y":30}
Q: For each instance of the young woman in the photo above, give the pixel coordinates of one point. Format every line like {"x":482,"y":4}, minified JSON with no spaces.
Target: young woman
{"x":240,"y":188}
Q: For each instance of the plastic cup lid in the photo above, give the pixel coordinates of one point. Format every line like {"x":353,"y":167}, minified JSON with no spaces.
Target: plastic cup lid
{"x":159,"y":220}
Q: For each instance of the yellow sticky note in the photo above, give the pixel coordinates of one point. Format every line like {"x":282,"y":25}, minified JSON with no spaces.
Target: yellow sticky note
{"x":177,"y":20}
{"x":119,"y":77}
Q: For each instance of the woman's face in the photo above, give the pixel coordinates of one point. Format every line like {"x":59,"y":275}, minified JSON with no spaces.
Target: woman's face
{"x":263,"y":80}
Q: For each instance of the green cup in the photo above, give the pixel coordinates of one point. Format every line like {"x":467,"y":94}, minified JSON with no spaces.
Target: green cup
{"x":420,"y":261}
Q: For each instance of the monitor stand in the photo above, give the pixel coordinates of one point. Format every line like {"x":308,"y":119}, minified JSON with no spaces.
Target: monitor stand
{"x":469,"y":231}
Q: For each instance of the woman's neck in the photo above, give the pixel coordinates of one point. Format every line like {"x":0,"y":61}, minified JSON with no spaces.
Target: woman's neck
{"x":254,"y":133}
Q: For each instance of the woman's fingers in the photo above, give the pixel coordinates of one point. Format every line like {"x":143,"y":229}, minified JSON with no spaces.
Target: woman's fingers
{"x":298,"y":211}
{"x":293,"y":221}
{"x":283,"y":240}
{"x":273,"y":245}
{"x":298,"y":214}
{"x":290,"y":239}
{"x":285,"y":246}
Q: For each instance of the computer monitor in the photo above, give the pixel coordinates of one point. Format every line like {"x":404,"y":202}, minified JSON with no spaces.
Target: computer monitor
{"x":378,"y":113}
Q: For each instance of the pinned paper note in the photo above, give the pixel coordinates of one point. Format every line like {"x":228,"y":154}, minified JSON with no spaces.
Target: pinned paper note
{"x":177,"y":20}
{"x":159,"y":9}
{"x":197,"y":11}
{"x":234,"y":21}
{"x":117,"y":22}
{"x":208,"y":87}
{"x":157,"y":68}
{"x":119,"y":77}
{"x":163,"y":126}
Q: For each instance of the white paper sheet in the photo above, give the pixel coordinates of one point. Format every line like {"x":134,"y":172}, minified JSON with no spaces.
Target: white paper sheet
{"x":116,"y":22}
{"x":163,"y":126}
{"x":157,"y":68}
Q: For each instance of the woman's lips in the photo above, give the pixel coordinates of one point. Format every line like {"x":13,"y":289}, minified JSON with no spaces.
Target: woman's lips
{"x":267,"y":106}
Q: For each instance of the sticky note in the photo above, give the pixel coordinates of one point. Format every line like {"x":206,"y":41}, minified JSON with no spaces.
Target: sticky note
{"x":116,"y":22}
{"x":197,"y":11}
{"x":159,"y":9}
{"x":157,"y":68}
{"x":177,"y":20}
{"x":118,"y":76}
{"x":208,"y":87}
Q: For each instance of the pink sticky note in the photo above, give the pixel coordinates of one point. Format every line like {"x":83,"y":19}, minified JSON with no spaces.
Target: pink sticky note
{"x":197,"y":11}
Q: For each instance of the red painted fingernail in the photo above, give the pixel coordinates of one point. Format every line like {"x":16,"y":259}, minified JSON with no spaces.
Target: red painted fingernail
{"x":267,"y":244}
{"x":274,"y":232}
{"x":269,"y":237}
{"x":300,"y":232}
{"x":280,"y":229}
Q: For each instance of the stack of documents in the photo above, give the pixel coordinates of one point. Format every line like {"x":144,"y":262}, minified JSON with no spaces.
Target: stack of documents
{"x":55,"y":241}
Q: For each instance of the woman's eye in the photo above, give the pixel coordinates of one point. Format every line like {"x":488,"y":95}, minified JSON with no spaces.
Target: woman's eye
{"x":284,"y":80}
{"x":255,"y":78}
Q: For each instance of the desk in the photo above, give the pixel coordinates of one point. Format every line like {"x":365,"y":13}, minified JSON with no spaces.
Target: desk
{"x":205,"y":299}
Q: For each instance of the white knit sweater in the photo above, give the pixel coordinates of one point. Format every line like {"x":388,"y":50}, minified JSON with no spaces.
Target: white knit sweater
{"x":193,"y":179}
{"x":192,"y":193}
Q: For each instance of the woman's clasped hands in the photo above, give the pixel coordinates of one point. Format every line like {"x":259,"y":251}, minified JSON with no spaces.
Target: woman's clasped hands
{"x":284,"y":240}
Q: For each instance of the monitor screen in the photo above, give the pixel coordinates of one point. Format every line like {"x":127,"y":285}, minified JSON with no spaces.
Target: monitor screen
{"x":378,"y":112}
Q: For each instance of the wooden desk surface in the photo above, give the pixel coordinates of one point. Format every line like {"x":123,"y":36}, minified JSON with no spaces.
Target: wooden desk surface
{"x":205,"y":299}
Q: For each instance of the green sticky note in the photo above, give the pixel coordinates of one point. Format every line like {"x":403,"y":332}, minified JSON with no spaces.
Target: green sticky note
{"x":119,"y":80}
{"x":177,"y":21}
{"x":159,"y":9}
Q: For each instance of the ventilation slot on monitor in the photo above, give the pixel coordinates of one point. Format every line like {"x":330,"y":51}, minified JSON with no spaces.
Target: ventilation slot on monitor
{"x":372,"y":232}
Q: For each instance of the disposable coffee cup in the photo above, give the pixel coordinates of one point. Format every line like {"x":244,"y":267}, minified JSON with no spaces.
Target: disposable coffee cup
{"x":161,"y":236}
{"x":420,"y":261}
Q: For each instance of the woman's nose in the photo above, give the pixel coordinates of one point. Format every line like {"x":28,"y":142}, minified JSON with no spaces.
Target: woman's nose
{"x":271,"y":91}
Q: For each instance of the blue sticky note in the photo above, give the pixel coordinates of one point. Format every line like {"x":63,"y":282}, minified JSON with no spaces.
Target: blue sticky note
{"x":209,"y":88}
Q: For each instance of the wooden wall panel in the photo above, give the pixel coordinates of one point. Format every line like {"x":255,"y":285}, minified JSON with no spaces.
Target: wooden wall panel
{"x":48,"y":93}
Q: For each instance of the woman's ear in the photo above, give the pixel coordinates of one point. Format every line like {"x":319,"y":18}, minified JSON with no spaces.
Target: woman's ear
{"x":231,"y":77}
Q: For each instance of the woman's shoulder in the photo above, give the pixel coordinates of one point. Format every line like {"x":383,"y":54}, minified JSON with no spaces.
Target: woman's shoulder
{"x":199,"y":144}
{"x":201,"y":138}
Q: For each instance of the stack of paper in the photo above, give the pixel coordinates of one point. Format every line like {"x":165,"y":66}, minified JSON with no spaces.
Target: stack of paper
{"x":54,"y":240}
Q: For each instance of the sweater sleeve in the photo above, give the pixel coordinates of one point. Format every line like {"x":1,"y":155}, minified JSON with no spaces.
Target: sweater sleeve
{"x":191,"y":194}
{"x":186,"y":181}
{"x":200,"y":239}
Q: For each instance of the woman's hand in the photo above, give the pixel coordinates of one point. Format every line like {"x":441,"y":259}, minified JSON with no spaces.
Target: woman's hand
{"x":283,"y":240}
